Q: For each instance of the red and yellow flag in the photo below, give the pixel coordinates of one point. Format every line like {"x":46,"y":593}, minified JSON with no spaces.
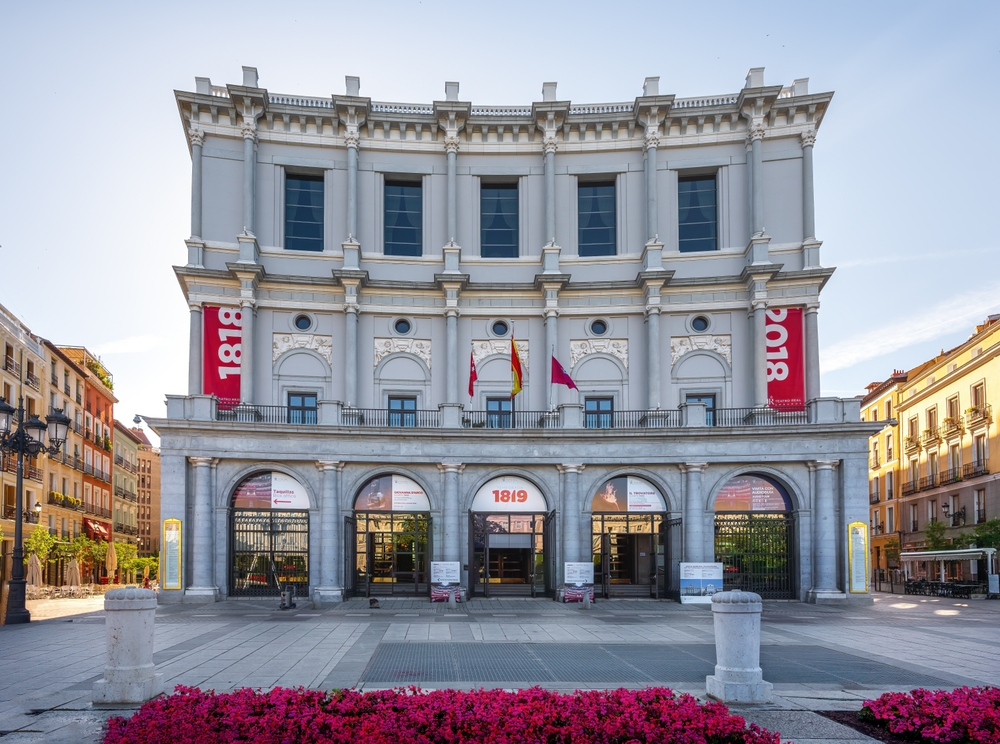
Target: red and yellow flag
{"x":515,"y":368}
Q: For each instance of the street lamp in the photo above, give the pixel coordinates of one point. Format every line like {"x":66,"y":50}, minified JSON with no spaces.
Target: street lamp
{"x":28,"y":438}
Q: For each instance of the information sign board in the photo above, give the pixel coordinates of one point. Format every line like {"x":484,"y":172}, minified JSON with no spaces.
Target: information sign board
{"x":700,"y":582}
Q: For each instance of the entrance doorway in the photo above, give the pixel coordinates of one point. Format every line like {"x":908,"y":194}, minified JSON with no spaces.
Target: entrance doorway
{"x":755,"y":537}
{"x":508,"y":555}
{"x":388,"y":539}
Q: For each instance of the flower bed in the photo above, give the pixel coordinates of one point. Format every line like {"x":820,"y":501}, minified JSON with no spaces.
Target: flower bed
{"x":495,"y":716}
{"x":966,"y":714}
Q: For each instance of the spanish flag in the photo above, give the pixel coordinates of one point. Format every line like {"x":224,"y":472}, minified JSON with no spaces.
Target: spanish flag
{"x":515,"y":368}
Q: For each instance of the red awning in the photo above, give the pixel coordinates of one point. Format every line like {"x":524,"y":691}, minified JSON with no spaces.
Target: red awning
{"x":96,"y":527}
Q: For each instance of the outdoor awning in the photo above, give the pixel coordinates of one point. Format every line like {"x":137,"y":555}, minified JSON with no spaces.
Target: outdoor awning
{"x":97,"y":527}
{"x":971,"y":554}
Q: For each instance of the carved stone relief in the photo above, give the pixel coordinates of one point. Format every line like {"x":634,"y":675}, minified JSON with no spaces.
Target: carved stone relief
{"x":417,"y":347}
{"x":721,"y":345}
{"x":616,"y":347}
{"x":284,"y":342}
{"x":483,"y":349}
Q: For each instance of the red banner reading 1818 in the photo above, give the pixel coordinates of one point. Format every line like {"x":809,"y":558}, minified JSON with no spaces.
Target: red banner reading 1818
{"x":786,"y":384}
{"x":222,"y":352}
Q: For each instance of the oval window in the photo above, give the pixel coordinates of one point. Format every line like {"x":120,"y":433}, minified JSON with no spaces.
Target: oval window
{"x":500,"y":328}
{"x":402,"y":326}
{"x":303,"y":322}
{"x":700,"y":324}
{"x":598,"y":327}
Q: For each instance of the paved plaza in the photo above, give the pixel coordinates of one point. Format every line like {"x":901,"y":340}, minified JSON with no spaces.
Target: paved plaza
{"x":819,"y":658}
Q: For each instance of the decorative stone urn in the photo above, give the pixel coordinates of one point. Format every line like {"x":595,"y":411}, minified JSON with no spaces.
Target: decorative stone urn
{"x":130,"y":676}
{"x":737,"y":678}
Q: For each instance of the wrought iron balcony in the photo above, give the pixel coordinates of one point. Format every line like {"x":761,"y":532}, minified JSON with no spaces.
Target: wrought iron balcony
{"x":254,"y":414}
{"x":978,"y":415}
{"x":911,"y":444}
{"x":930,"y":436}
{"x":32,"y":381}
{"x":66,"y":502}
{"x":909,"y":487}
{"x":928,"y":481}
{"x":951,"y":475}
{"x":874,"y":498}
{"x":873,"y":462}
{"x":951,"y":427}
{"x":11,"y":366}
{"x":974,"y":469}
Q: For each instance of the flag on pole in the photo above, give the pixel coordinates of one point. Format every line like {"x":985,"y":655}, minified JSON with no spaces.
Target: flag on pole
{"x":473,"y":375}
{"x":515,"y":368}
{"x":560,"y":376}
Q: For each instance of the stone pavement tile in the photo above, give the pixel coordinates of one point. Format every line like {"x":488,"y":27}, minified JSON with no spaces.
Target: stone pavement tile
{"x":800,"y":726}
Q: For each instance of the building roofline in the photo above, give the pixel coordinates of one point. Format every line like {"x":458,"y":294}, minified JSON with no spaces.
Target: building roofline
{"x":119,"y":426}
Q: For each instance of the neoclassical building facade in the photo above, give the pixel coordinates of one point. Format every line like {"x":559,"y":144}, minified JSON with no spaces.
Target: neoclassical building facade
{"x":357,"y":273}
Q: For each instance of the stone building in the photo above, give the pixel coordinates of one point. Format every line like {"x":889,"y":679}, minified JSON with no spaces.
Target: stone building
{"x":125,"y":481}
{"x":149,"y":495}
{"x":351,"y":260}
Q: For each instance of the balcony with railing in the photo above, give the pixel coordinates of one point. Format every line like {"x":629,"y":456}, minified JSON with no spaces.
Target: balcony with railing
{"x":874,"y":498}
{"x":97,"y":511}
{"x":928,"y":482}
{"x":978,"y":415}
{"x":53,"y":380}
{"x":909,"y":487}
{"x":877,"y":529}
{"x":980,"y":516}
{"x":11,"y":366}
{"x":29,"y":516}
{"x":124,"y":493}
{"x":911,"y":445}
{"x":510,"y":419}
{"x":125,"y":529}
{"x":930,"y":437}
{"x":975,"y":469}
{"x":951,"y":475}
{"x":873,"y":462}
{"x":951,"y":427}
{"x":66,"y":502}
{"x":914,"y":526}
{"x":32,"y":381}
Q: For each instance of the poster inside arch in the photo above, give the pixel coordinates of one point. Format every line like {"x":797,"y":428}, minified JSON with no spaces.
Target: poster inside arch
{"x":628,"y":493}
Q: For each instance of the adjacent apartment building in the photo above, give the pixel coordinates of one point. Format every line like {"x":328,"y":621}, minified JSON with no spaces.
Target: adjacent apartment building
{"x":358,"y":274}
{"x":148,"y":479}
{"x":125,"y":477}
{"x":939,"y":461}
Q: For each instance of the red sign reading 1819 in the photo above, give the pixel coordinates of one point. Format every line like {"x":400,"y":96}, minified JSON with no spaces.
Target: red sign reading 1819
{"x":504,"y":496}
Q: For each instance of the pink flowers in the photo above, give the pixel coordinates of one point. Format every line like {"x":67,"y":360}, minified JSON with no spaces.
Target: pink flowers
{"x":965,"y":714}
{"x":284,"y":716}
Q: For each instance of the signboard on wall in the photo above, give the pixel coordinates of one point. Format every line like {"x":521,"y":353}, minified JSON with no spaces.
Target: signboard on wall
{"x":392,"y":493}
{"x":171,"y":554}
{"x":627,"y":494}
{"x":786,"y":374}
{"x":221,"y":352}
{"x":509,"y":493}
{"x":270,"y":491}
{"x":700,"y":582}
{"x":857,"y":557}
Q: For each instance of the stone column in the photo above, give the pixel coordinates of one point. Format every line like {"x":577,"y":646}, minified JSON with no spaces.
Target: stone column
{"x":694,"y":513}
{"x":451,"y":351}
{"x":651,"y":142}
{"x":351,"y":356}
{"x":652,"y":290}
{"x":808,"y":201}
{"x":195,"y":346}
{"x":812,"y":352}
{"x":450,"y":511}
{"x":825,"y":531}
{"x":249,"y":131}
{"x":549,"y":148}
{"x":572,"y":513}
{"x":197,"y":138}
{"x":352,"y":140}
{"x":758,"y":320}
{"x":451,"y":147}
{"x":749,"y":204}
{"x":551,"y":342}
{"x":247,"y":313}
{"x":756,"y":135}
{"x":202,"y":554}
{"x":330,"y":587}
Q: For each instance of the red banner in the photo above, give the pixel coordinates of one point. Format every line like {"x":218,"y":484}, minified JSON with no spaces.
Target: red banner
{"x":222,"y":352}
{"x":786,"y":374}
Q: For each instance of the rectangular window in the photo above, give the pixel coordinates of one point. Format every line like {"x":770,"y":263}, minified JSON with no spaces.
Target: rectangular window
{"x":888,"y":410}
{"x":304,"y":213}
{"x":979,"y":450}
{"x":302,"y":408}
{"x":954,"y":511}
{"x":403,"y":219}
{"x":932,"y":510}
{"x":709,"y":401}
{"x":498,"y":413}
{"x":978,"y":395}
{"x":888,"y":448}
{"x":913,"y":432}
{"x":890,"y":486}
{"x":932,"y":464}
{"x":402,"y":411}
{"x":980,"y":504}
{"x":596,"y":219}
{"x":914,"y":524}
{"x":955,"y":456}
{"x":890,"y":520}
{"x":953,"y":413}
{"x":498,"y":221}
{"x":696,"y":214}
{"x":598,"y":413}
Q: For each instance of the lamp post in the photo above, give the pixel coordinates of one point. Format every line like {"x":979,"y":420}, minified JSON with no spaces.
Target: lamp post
{"x":28,"y":438}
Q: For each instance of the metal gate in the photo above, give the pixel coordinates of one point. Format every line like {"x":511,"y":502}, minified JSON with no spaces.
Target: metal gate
{"x":268,"y":548}
{"x":350,"y":556}
{"x":757,"y":552}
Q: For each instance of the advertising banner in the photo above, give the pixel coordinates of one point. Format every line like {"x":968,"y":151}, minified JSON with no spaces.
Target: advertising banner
{"x":627,"y":494}
{"x":445,"y":576}
{"x":171,"y":554}
{"x":858,"y":557}
{"x":786,"y":374}
{"x":270,"y":491}
{"x":509,"y":494}
{"x":392,"y":493}
{"x":579,"y":581}
{"x":700,"y":582}
{"x":221,"y":353}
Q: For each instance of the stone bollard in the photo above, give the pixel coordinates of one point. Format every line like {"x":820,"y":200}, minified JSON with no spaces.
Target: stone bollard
{"x":451,"y":599}
{"x":737,"y":677}
{"x":130,"y":676}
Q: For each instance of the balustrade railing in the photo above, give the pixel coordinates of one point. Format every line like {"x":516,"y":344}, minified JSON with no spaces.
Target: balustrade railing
{"x":928,"y":481}
{"x":874,"y":498}
{"x":909,"y":487}
{"x":758,"y":417}
{"x":11,"y":366}
{"x":32,"y":381}
{"x":974,"y":469}
{"x":951,"y":475}
{"x":383,"y":417}
{"x":253,"y":414}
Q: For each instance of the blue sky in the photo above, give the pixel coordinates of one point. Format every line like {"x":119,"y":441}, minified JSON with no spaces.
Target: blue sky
{"x":94,"y":194}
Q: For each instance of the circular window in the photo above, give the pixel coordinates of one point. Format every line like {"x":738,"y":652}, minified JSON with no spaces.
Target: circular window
{"x":402,"y":326}
{"x":700,"y":324}
{"x":303,"y":322}
{"x":499,"y":328}
{"x":599,"y":327}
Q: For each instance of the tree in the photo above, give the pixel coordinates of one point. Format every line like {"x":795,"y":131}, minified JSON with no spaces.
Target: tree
{"x":988,"y":534}
{"x":891,"y":548}
{"x":935,"y":536}
{"x":39,"y":542}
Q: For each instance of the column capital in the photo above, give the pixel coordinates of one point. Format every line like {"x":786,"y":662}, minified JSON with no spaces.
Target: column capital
{"x":812,"y":307}
{"x":692,"y":467}
{"x":352,"y":138}
{"x":248,"y":128}
{"x":756,"y":132}
{"x":571,"y":468}
{"x":451,"y":143}
{"x":549,"y":144}
{"x":651,"y":140}
{"x":808,"y":138}
{"x":200,"y":462}
{"x":452,"y":312}
{"x":196,"y":135}
{"x":194,"y":307}
{"x":328,"y":465}
{"x":451,"y":467}
{"x":824,"y":464}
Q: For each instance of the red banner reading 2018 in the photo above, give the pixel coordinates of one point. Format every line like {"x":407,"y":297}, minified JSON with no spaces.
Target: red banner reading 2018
{"x":222,"y":352}
{"x":786,"y":384}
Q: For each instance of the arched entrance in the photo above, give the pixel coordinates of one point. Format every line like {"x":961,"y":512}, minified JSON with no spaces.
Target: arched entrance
{"x":269,"y":536}
{"x":388,"y":538}
{"x":755,"y":537}
{"x":510,"y":540}
{"x":628,"y":537}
